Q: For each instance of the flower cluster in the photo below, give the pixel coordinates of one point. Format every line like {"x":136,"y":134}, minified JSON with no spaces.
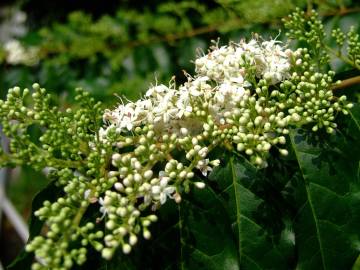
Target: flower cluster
{"x":244,"y":97}
{"x":223,"y":76}
{"x":309,"y":29}
{"x":354,"y":47}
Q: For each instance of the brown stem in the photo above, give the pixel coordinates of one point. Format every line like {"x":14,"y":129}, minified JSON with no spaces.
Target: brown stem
{"x":341,"y":12}
{"x":346,"y":83}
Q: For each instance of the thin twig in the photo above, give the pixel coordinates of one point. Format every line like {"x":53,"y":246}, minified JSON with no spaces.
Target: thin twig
{"x":231,"y":23}
{"x":235,"y":23}
{"x":343,"y":58}
{"x":341,"y":12}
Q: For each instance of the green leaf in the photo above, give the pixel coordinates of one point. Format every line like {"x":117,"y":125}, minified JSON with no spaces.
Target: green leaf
{"x":327,"y":198}
{"x":206,"y":238}
{"x":25,"y":259}
{"x":233,"y":224}
{"x":356,"y":265}
{"x":354,"y":123}
{"x":262,"y":239}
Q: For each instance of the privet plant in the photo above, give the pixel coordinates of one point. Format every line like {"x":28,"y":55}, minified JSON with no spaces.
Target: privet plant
{"x":116,"y":169}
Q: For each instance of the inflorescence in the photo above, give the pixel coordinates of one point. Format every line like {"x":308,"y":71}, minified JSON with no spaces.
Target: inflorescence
{"x":244,"y":96}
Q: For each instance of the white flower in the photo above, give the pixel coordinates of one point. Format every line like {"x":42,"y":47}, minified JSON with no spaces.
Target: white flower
{"x":103,"y":209}
{"x":199,"y":185}
{"x":161,"y":193}
{"x":183,"y":105}
{"x":165,"y":110}
{"x":159,"y":89}
{"x":167,"y":193}
{"x":87,"y":193}
{"x":103,"y":134}
{"x":238,"y":79}
{"x":203,"y":166}
{"x":215,"y":162}
{"x":195,"y":86}
{"x":163,"y":190}
{"x":203,"y":152}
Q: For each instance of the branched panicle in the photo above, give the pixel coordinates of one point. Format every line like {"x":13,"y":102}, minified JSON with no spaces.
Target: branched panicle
{"x":64,"y":148}
{"x":63,"y":142}
{"x":308,"y":29}
{"x":354,"y":47}
{"x":244,"y":97}
{"x":339,"y":37}
{"x":351,"y":52}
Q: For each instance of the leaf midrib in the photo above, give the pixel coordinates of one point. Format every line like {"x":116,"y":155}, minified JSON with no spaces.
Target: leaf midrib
{"x":238,"y":211}
{"x":181,"y":239}
{"x":318,"y":234}
{"x":354,"y":119}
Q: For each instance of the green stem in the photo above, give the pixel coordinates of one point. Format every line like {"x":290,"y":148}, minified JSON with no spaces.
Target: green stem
{"x":342,"y":57}
{"x":309,"y":6}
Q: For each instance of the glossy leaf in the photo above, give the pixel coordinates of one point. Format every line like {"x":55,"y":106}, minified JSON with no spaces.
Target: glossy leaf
{"x":328,"y":198}
{"x":260,"y":242}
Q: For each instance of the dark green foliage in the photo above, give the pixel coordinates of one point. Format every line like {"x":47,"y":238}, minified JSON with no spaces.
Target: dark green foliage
{"x":326,"y":198}
{"x":123,"y":49}
{"x":25,"y":259}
